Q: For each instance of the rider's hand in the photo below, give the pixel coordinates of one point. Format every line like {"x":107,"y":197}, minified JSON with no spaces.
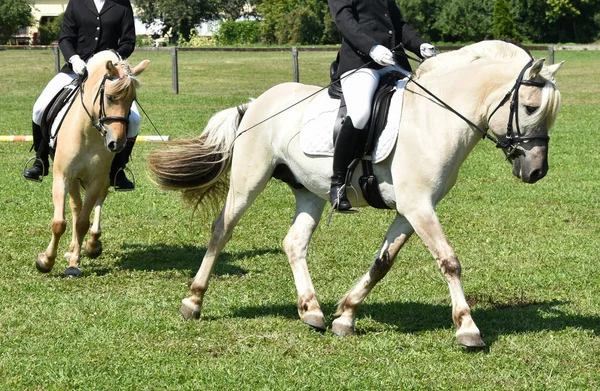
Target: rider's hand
{"x":78,"y":64}
{"x":382,"y":55}
{"x":428,"y":50}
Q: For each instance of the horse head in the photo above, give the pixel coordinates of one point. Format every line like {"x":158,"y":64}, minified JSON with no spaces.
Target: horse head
{"x":522,"y":125}
{"x":114,"y":92}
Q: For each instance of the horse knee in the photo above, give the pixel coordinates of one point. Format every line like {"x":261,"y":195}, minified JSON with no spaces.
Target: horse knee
{"x":59,"y":227}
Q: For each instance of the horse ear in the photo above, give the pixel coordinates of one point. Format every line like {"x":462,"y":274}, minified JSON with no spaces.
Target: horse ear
{"x":111,"y":69}
{"x":554,"y":68}
{"x":536,"y":68}
{"x":140,"y":67}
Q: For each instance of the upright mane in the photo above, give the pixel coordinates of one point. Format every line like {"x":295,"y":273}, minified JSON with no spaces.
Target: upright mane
{"x":127,"y":80}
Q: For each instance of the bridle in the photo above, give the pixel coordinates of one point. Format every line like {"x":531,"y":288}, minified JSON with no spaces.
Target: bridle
{"x":512,"y":139}
{"x":102,"y":117}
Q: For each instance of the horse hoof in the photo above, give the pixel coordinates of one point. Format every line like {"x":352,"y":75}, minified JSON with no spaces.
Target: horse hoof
{"x":342,"y":329}
{"x":74,"y":272}
{"x":470,"y":340}
{"x":315,"y":320}
{"x":41,"y":264}
{"x":189,"y":310}
{"x":93,"y":251}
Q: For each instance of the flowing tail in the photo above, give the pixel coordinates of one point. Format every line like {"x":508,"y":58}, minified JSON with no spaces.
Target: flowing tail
{"x":198,"y":167}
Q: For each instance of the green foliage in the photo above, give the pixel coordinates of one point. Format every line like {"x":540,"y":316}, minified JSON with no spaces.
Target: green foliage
{"x":49,"y":32}
{"x":422,"y":15}
{"x":296,"y":22}
{"x":465,"y":20}
{"x":14,"y":15}
{"x":238,"y":33}
{"x":504,"y":25}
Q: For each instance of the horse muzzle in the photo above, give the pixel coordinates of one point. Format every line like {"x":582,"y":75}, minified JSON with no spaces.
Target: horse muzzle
{"x":532,"y":165}
{"x":114,"y":144}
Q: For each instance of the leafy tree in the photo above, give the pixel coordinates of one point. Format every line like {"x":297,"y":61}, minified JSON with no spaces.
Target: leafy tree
{"x":422,"y":16}
{"x":504,"y":25}
{"x":14,"y":15}
{"x":49,"y":32}
{"x":296,"y":22}
{"x":178,"y":16}
{"x":465,"y":20}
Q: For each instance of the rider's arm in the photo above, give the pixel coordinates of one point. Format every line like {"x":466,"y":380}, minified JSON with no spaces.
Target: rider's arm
{"x":127,"y":39}
{"x":410,"y":39}
{"x":68,"y":32}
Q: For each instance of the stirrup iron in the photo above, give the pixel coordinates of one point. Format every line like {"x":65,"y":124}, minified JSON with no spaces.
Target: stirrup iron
{"x":34,"y":158}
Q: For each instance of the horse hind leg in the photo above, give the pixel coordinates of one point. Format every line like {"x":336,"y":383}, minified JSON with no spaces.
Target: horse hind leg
{"x":308,"y":213}
{"x":395,"y":238}
{"x":243,"y":190}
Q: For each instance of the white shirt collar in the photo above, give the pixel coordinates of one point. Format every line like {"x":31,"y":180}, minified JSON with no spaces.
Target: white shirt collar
{"x":99,"y":4}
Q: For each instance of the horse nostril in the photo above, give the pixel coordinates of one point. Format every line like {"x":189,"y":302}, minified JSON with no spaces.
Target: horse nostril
{"x":112,"y":146}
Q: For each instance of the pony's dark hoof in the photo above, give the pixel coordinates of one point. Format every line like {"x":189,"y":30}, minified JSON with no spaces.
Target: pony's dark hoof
{"x":315,"y":320}
{"x":342,"y":329}
{"x":189,"y":310}
{"x":93,"y":250}
{"x":73,"y":272}
{"x":42,"y":266}
{"x":470,"y":340}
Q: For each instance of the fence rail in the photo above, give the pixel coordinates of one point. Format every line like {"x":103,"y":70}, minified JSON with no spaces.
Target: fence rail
{"x":294,"y":51}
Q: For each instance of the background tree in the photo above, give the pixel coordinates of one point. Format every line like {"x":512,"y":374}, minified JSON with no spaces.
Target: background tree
{"x":14,"y":15}
{"x":49,"y":32}
{"x":177,"y":16}
{"x":504,"y":25}
{"x":422,"y":15}
{"x":465,"y":20}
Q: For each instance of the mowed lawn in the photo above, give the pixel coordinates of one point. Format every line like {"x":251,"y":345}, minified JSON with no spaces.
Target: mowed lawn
{"x":530,"y":257}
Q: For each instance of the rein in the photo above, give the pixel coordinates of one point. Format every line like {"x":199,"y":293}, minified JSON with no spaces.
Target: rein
{"x":102,"y":117}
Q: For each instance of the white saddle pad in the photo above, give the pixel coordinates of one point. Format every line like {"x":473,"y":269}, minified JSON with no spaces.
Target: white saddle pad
{"x":316,"y":134}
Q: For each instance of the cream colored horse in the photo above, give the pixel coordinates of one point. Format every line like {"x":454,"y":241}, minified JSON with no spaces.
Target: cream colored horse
{"x":432,"y":144}
{"x":93,"y":130}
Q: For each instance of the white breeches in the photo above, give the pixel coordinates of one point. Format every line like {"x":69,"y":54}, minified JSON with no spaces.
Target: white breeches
{"x":359,"y":88}
{"x":57,"y":83}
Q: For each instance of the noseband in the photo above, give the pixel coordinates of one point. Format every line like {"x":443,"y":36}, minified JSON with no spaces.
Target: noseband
{"x":102,"y":117}
{"x":513,"y":139}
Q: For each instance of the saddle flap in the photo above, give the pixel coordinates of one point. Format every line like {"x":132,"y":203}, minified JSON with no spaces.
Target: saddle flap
{"x":56,"y":109}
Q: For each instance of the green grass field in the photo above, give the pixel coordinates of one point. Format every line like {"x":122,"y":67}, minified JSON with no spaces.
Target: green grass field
{"x":530,"y":256}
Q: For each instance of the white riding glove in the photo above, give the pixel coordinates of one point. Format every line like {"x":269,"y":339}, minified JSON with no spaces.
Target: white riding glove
{"x":382,"y":55}
{"x":428,"y":50}
{"x":78,"y":64}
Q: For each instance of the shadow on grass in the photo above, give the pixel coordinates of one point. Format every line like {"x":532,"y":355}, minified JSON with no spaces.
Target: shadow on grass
{"x":183,"y":257}
{"x":414,"y":317}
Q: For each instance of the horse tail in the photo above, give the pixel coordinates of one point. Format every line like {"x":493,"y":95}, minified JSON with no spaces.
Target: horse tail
{"x":198,"y":167}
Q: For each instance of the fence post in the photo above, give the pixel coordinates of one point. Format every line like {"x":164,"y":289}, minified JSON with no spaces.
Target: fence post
{"x":295,"y":64}
{"x":56,"y":59}
{"x":551,"y":54}
{"x":175,"y":70}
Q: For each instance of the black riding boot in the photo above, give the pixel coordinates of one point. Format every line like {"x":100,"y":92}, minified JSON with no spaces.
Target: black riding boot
{"x":343,"y":154}
{"x":117,"y":172}
{"x":41,"y":163}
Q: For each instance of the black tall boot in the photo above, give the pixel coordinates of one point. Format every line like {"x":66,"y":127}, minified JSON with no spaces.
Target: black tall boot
{"x":41,"y":163}
{"x":117,"y":169}
{"x":343,"y":154}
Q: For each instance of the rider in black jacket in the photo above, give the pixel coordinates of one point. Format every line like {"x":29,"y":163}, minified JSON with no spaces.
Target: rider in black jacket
{"x":370,"y":29}
{"x":89,"y":26}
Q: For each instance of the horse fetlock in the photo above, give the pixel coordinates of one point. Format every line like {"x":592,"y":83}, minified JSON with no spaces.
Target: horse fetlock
{"x":189,"y":309}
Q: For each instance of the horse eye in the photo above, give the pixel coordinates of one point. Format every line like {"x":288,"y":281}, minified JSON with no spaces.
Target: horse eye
{"x":531,"y":109}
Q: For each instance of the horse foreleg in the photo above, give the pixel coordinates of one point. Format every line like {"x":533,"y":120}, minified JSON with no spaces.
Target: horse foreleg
{"x":45,"y":260}
{"x":396,"y":236}
{"x":93,"y":246}
{"x":81,"y":228}
{"x":428,"y":227}
{"x":308,"y":213}
{"x":75,"y":202}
